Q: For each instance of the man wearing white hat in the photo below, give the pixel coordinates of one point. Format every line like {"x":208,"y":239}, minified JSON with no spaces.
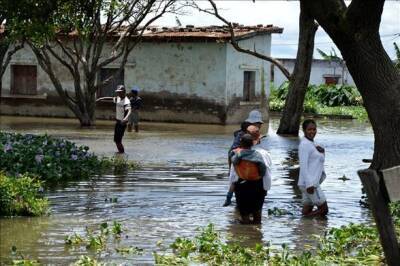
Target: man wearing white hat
{"x":122,"y":113}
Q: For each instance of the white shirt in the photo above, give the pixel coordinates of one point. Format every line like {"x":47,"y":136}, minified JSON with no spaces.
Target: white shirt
{"x":233,"y":177}
{"x":311,"y":164}
{"x":121,"y":106}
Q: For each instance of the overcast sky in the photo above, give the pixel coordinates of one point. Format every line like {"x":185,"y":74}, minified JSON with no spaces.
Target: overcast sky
{"x":284,"y":14}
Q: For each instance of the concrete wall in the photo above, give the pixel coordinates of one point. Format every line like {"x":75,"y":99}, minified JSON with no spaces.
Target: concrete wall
{"x":319,"y":68}
{"x":194,"y":82}
{"x":236,"y":64}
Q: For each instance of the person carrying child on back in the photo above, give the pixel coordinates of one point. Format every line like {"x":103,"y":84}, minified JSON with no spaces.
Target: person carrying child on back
{"x":254,"y":118}
{"x":248,"y":173}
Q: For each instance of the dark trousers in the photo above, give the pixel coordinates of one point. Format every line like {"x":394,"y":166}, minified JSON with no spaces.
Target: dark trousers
{"x":249,"y":196}
{"x":119,"y":131}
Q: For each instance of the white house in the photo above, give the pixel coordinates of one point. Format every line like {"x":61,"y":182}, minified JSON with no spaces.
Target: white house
{"x":190,"y":74}
{"x":322,"y":72}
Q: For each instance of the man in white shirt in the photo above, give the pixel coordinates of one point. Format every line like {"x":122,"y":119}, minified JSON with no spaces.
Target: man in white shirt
{"x":122,"y":113}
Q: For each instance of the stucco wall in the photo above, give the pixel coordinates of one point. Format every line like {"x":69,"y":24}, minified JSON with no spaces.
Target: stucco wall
{"x":187,"y":69}
{"x":319,"y":68}
{"x":237,"y":63}
{"x":179,"y":81}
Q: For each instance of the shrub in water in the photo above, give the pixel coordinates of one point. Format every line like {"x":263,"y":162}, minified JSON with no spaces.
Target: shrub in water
{"x":21,"y":196}
{"x":48,"y":158}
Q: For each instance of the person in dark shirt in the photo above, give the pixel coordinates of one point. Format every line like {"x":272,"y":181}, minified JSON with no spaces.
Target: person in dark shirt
{"x":136,"y":105}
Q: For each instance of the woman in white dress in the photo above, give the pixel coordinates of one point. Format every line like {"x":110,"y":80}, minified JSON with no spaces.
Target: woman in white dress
{"x":312,"y":158}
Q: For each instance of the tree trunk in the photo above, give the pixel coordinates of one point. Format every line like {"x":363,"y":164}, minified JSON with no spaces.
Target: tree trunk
{"x":355,"y":31}
{"x":290,"y":120}
{"x":379,"y":84}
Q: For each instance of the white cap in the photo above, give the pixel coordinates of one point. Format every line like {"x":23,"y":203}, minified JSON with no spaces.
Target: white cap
{"x":254,"y":117}
{"x":120,"y":88}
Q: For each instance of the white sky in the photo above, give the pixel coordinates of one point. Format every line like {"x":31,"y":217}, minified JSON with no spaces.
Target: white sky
{"x":284,"y":14}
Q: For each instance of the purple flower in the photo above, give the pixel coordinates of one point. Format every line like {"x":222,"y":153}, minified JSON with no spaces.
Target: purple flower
{"x":74,"y":157}
{"x":39,"y":158}
{"x":8,"y":147}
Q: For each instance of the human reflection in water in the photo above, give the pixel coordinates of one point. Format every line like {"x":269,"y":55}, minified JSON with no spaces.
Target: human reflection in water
{"x":291,"y":165}
{"x":246,"y":235}
{"x":306,"y":230}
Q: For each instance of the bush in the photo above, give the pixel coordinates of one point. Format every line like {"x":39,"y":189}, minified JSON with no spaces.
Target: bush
{"x":21,"y":196}
{"x":335,"y":95}
{"x":48,"y":158}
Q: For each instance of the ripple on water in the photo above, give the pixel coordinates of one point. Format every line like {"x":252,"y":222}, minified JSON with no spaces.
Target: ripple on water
{"x":181,"y":189}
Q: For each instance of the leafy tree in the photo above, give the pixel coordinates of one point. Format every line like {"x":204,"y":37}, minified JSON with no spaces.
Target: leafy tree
{"x":84,"y":36}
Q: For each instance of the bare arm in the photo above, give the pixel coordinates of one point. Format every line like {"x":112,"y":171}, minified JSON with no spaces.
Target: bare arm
{"x":104,"y":98}
{"x":127,"y":115}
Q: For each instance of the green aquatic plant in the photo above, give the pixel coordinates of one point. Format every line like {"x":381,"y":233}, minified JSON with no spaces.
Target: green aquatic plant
{"x":278,"y":212}
{"x":87,"y":261}
{"x":129,"y":250}
{"x":21,"y":196}
{"x":22,"y":261}
{"x":116,"y":229}
{"x":347,"y":245}
{"x":48,"y":158}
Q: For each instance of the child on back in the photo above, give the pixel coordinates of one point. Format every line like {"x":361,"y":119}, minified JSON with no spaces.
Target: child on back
{"x":236,"y":143}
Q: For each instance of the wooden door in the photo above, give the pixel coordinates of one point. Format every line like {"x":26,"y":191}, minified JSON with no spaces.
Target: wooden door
{"x":24,"y":80}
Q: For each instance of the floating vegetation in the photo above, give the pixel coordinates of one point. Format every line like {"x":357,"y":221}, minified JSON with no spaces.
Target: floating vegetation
{"x":348,"y":245}
{"x":278,"y":212}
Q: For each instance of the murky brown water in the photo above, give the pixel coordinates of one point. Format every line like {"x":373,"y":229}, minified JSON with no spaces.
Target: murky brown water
{"x":181,"y":187}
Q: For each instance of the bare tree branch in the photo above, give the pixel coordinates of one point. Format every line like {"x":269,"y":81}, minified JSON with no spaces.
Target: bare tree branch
{"x":10,"y":53}
{"x":237,"y":47}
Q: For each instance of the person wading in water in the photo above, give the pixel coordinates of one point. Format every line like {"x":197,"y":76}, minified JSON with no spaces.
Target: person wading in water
{"x":122,"y":113}
{"x":248,"y":173}
{"x":312,"y":174}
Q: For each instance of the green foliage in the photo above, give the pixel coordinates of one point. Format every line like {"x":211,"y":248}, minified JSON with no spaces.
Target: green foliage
{"x":21,"y":196}
{"x":358,"y":112}
{"x":348,"y":245}
{"x":332,"y":56}
{"x":52,"y":159}
{"x":323,"y":99}
{"x":335,"y":95}
{"x":97,"y":240}
{"x":48,"y":158}
{"x":86,"y":261}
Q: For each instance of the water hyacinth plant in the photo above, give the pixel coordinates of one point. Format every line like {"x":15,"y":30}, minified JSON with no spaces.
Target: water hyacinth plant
{"x":49,"y":158}
{"x":348,"y":245}
{"x":21,"y":196}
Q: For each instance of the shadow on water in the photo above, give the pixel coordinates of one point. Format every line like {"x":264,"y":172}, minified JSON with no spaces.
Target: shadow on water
{"x":181,"y":186}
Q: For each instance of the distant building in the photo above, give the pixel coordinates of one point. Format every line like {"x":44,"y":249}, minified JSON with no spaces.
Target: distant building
{"x":189,"y":74}
{"x":322,"y":72}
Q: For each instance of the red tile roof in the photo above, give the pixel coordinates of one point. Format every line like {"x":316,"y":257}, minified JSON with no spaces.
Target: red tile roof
{"x":200,"y":34}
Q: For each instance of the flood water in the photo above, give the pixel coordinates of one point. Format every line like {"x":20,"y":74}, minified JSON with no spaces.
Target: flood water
{"x":180,"y":187}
